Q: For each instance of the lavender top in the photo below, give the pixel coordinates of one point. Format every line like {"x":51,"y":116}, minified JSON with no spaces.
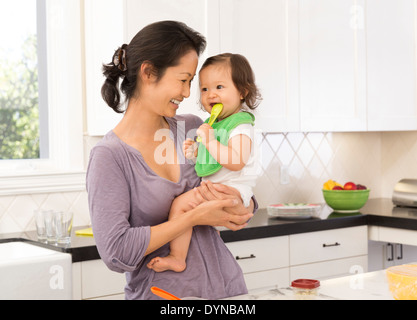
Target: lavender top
{"x":126,"y":197}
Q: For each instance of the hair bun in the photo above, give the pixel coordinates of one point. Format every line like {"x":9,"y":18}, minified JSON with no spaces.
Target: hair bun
{"x":119,"y":58}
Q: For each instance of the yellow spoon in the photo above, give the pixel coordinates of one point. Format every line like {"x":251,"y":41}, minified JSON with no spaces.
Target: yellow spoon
{"x":217,"y":108}
{"x":163,"y":294}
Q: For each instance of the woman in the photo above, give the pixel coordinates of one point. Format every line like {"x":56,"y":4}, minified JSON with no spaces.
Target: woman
{"x":135,"y":173}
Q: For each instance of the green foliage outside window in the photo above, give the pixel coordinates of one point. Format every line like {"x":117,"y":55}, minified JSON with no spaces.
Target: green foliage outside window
{"x":19,"y":107}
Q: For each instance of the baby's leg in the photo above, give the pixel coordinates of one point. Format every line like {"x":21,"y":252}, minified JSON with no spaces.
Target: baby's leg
{"x":175,"y":261}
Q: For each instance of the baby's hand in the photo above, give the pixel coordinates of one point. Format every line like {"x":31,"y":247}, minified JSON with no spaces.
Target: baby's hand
{"x":206,"y":133}
{"x":189,"y":148}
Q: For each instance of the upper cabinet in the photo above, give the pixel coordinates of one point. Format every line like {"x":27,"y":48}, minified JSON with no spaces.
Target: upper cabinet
{"x":332,"y":60}
{"x":264,"y":32}
{"x":391,"y":64}
{"x":329,"y":65}
{"x":194,"y":13}
{"x":104,"y":33}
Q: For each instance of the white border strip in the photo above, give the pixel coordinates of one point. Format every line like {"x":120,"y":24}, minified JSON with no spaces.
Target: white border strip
{"x":42,"y":183}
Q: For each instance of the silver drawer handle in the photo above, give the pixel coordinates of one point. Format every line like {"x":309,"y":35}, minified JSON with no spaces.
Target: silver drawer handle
{"x":252,"y":256}
{"x":331,"y":245}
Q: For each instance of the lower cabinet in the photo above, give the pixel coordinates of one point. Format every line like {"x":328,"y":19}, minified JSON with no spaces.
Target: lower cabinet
{"x":390,"y":247}
{"x":275,"y":262}
{"x":266,"y":263}
{"x":93,"y":280}
{"x":330,"y":269}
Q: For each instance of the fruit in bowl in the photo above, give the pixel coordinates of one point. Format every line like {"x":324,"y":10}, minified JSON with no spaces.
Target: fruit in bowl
{"x":349,"y":186}
{"x":349,"y":198}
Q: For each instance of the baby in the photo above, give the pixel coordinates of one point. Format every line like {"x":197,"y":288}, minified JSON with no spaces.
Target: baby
{"x":226,"y":153}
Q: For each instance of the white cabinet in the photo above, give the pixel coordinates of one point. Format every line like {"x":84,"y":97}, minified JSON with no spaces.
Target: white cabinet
{"x":265,"y":32}
{"x":328,"y":245}
{"x":275,"y":262}
{"x":330,"y":253}
{"x":332,"y":59}
{"x":201,"y":15}
{"x":264,"y":262}
{"x":309,"y":60}
{"x":391,"y":65}
{"x":390,"y":246}
{"x":104,"y":33}
{"x":321,"y":65}
{"x":93,"y":280}
{"x":111,"y":23}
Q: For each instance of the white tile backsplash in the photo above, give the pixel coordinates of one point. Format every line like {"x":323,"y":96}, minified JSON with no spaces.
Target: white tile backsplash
{"x":375,"y":159}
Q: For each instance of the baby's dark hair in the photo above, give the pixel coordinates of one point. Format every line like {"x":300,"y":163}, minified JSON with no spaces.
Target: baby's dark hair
{"x":242,"y":76}
{"x":161,"y":44}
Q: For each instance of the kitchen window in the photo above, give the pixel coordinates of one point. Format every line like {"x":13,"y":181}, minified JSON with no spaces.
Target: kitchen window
{"x":23,"y":90}
{"x":47,"y":85}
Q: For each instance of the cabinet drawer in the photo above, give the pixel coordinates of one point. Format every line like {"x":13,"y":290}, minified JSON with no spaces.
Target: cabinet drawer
{"x":330,"y":269}
{"x":97,"y":280}
{"x":261,"y":254}
{"x":269,"y":279}
{"x":327,"y":245}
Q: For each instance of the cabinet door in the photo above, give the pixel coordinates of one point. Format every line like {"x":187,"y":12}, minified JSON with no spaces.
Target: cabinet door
{"x":330,"y":269}
{"x":267,"y":280}
{"x":264,"y":32}
{"x":200,"y":15}
{"x":98,"y":281}
{"x":328,"y":245}
{"x":391,"y":65}
{"x":104,"y":33}
{"x":260,"y":254}
{"x":332,"y":65}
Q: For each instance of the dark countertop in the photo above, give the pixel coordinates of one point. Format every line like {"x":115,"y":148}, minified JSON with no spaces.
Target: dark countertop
{"x":376,"y":212}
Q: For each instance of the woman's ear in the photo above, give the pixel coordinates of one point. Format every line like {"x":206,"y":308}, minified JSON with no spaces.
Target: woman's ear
{"x":147,"y":72}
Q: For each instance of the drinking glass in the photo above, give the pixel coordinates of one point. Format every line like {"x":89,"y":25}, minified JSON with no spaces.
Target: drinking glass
{"x":50,"y":229}
{"x":63,"y":226}
{"x":40,"y":224}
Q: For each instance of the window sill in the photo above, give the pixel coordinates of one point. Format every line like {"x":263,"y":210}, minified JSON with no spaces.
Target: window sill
{"x":42,"y":183}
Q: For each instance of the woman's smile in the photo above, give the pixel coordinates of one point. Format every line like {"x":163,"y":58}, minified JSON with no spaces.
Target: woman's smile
{"x":176,"y":103}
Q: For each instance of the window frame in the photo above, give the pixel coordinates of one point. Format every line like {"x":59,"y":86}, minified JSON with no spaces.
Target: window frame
{"x":64,"y":169}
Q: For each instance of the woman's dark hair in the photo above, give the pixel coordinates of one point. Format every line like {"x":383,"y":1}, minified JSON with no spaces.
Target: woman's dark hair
{"x":161,"y":44}
{"x":242,"y":76}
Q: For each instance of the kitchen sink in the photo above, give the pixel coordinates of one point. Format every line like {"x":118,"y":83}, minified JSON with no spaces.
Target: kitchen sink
{"x":31,"y":272}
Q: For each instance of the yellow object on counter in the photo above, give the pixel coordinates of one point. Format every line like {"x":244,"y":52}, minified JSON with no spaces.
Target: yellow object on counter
{"x":85,"y":232}
{"x":402,"y":281}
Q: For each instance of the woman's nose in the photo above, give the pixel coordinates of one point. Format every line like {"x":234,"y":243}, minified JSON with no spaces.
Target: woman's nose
{"x":186,"y":91}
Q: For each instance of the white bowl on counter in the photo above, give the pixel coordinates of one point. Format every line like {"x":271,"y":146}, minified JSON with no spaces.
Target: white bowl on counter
{"x":293,"y":210}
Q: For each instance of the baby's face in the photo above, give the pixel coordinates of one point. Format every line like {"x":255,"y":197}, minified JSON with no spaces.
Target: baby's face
{"x":216,"y":86}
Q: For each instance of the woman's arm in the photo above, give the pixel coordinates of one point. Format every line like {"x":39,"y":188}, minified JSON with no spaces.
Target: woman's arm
{"x":208,"y":191}
{"x":210,"y":213}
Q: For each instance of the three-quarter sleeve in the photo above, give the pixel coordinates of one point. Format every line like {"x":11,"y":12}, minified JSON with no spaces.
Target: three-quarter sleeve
{"x":120,"y":246}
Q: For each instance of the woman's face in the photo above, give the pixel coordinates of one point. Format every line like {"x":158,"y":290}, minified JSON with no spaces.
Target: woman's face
{"x":174,"y":86}
{"x":216,"y":86}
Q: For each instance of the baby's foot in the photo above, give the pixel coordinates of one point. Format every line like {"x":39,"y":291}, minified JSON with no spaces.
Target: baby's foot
{"x":169,"y":262}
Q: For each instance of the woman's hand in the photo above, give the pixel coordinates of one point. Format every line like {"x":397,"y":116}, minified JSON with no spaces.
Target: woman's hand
{"x":214,"y":213}
{"x":209,"y":191}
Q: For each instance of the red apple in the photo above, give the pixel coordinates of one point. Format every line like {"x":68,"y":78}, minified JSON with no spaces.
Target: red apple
{"x":337,"y":188}
{"x":349,"y":186}
{"x":360,"y":187}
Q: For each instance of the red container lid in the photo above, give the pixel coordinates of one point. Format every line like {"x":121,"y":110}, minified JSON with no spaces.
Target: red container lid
{"x":305,"y":283}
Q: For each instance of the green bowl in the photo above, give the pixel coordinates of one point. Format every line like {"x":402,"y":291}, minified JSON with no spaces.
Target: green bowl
{"x":346,"y":201}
